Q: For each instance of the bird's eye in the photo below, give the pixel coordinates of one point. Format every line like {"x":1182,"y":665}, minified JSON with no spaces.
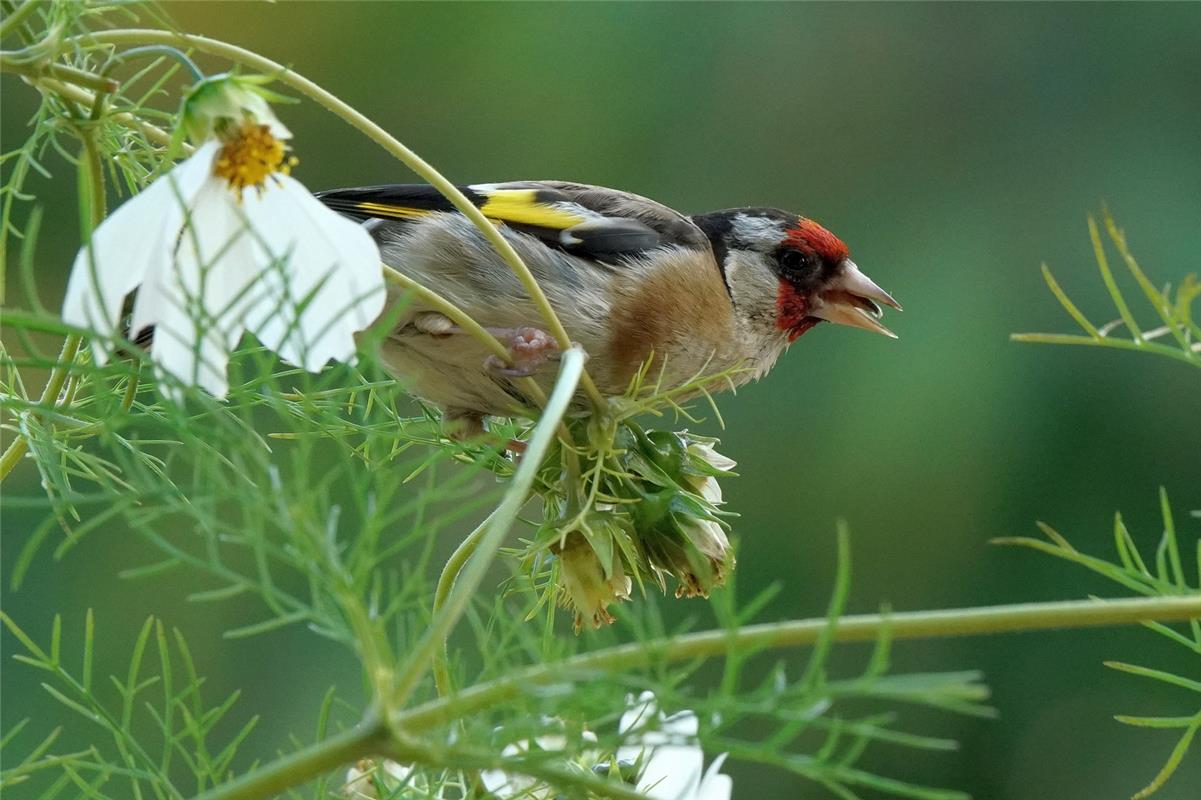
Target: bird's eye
{"x":796,"y":264}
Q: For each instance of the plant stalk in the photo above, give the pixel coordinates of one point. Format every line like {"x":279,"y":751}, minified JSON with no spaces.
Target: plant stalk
{"x":446,"y":581}
{"x":494,"y":531}
{"x":274,"y":778}
{"x":1069,"y":614}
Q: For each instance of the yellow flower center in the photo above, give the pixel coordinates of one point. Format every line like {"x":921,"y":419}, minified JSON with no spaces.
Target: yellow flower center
{"x":251,"y":155}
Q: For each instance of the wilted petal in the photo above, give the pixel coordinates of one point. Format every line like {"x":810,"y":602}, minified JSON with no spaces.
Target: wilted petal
{"x":326,"y":266}
{"x":128,"y":245}
{"x":709,"y":489}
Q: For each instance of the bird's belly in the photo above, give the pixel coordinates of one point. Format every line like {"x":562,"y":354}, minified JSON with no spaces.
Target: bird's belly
{"x":449,"y":371}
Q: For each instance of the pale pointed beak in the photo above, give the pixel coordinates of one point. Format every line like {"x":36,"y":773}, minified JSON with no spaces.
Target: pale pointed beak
{"x":850,"y":298}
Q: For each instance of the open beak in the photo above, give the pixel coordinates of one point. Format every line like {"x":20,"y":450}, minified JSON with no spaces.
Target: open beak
{"x":852,"y":298}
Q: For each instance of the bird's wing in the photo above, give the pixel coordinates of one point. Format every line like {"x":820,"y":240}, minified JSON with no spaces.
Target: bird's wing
{"x":588,"y":221}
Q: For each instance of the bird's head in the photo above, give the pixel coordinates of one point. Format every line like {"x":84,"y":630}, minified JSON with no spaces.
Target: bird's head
{"x":791,"y":273}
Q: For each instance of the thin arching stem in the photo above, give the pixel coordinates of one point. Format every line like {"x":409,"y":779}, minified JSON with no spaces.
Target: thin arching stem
{"x":378,"y":135}
{"x":495,"y":529}
{"x":446,"y":581}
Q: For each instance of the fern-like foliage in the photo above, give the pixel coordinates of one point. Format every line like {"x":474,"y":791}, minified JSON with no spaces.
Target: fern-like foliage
{"x":1166,"y":573}
{"x":155,"y":736}
{"x":1175,"y":333}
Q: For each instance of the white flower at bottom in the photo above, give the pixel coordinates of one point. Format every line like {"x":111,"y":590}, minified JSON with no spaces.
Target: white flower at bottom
{"x":514,"y":786}
{"x":228,"y":242}
{"x":673,"y":763}
{"x":363,"y":777}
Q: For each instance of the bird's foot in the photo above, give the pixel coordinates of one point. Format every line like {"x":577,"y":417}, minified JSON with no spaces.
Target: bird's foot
{"x":461,"y":425}
{"x":529,"y":350}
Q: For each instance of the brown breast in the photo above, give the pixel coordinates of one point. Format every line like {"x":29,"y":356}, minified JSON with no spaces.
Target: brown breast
{"x":674,"y":306}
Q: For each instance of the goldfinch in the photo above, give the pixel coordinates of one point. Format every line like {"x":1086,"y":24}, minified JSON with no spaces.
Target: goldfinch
{"x":630,"y":278}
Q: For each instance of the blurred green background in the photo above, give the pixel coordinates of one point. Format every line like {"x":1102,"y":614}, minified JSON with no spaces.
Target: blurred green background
{"x":954,"y":148}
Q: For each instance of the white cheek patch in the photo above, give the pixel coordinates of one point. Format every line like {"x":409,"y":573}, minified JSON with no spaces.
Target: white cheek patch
{"x":753,"y":285}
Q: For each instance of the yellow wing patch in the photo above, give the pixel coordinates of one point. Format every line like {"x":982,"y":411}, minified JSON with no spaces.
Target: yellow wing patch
{"x":395,"y":212}
{"x":521,"y":206}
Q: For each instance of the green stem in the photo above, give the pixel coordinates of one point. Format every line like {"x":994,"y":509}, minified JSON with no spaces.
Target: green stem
{"x":50,"y":394}
{"x":369,"y":738}
{"x":381,"y":137}
{"x":497,"y":527}
{"x":446,"y":581}
{"x":1116,"y":344}
{"x":797,"y":633}
{"x":153,"y":133}
{"x":16,"y":17}
{"x":18,"y":447}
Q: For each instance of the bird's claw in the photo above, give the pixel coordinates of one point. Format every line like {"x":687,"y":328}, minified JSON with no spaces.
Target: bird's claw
{"x":529,"y":350}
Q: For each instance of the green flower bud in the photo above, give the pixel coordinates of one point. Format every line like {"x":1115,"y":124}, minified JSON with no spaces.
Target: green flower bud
{"x":225,"y":101}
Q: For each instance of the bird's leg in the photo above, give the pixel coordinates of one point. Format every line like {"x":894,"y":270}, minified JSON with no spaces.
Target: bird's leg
{"x":463,"y":425}
{"x":529,"y":350}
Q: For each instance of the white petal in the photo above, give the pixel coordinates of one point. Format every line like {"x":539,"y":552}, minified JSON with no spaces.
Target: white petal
{"x":259,"y":109}
{"x":672,"y":773}
{"x":552,"y":742}
{"x":710,"y":489}
{"x":710,"y":538}
{"x":715,"y":459}
{"x":398,"y":772}
{"x":715,"y":786}
{"x":329,"y":257}
{"x":681,"y":725}
{"x":129,"y":243}
{"x":196,"y":301}
{"x":496,"y":782}
{"x":638,"y":714}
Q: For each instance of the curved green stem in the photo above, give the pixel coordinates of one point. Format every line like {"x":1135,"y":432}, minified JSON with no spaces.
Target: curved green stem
{"x":446,"y":581}
{"x":797,"y":633}
{"x":18,"y":447}
{"x":494,"y":531}
{"x":378,"y":135}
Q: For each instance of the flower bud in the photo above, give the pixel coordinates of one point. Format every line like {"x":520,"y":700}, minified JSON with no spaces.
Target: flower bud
{"x":223,"y":102}
{"x":588,"y":584}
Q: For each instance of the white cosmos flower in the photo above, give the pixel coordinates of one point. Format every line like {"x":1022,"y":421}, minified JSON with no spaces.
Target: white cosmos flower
{"x":228,"y":242}
{"x":674,"y":763}
{"x":507,"y":785}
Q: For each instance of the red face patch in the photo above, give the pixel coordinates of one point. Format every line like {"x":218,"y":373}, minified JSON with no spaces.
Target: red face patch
{"x":792,"y":311}
{"x":808,"y":235}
